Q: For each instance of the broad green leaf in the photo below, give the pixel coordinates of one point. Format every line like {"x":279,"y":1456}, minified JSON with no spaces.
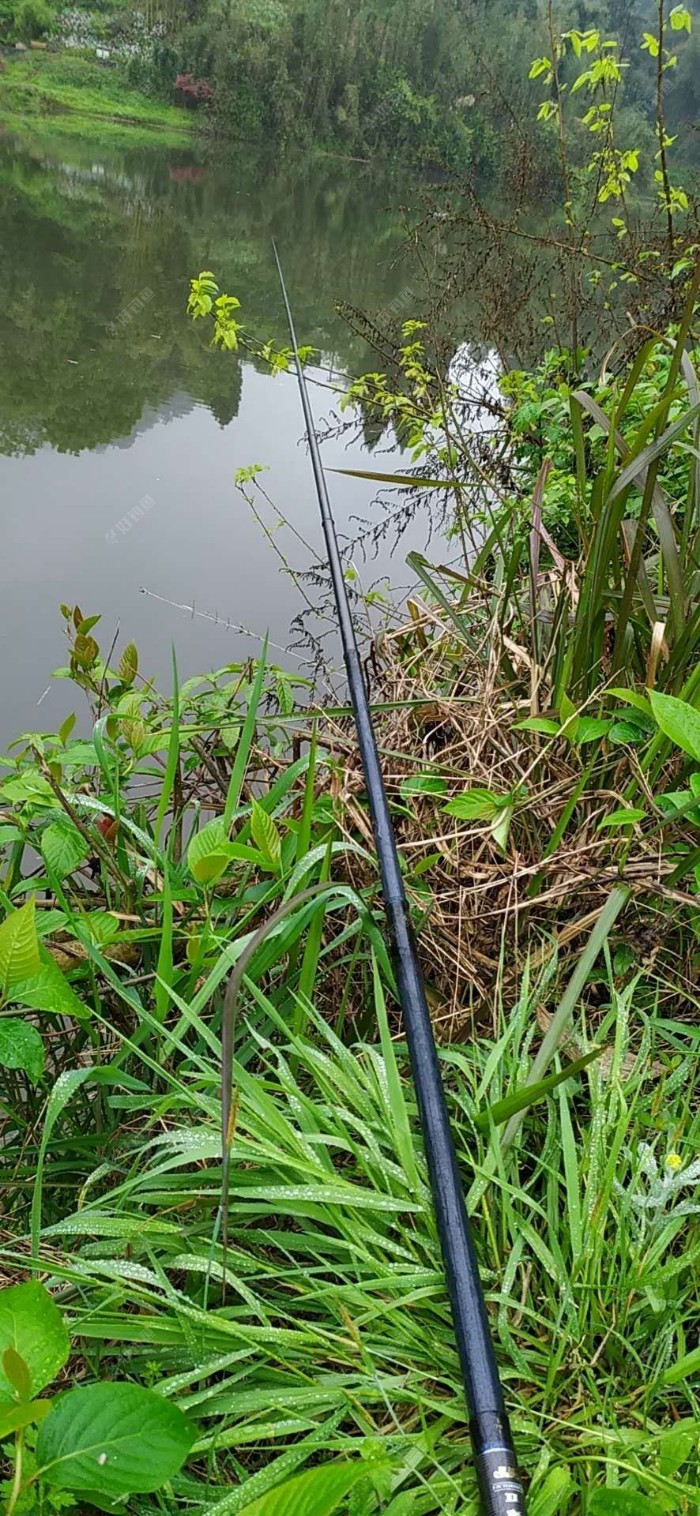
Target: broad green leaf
{"x":129,"y":663}
{"x":625,"y":732}
{"x":32,"y":1325}
{"x":500,"y":827}
{"x":66,"y":728}
{"x":100,"y":1502}
{"x":681,"y":19}
{"x":423,"y":784}
{"x":266,"y":836}
{"x":119,"y":1437}
{"x":675,"y":1446}
{"x":87,"y":624}
{"x":25,"y":1413}
{"x":19,"y":946}
{"x":633,"y":697}
{"x":206,"y":855}
{"x":627,"y":815}
{"x":317,"y":1492}
{"x":543,"y":724}
{"x":475,"y":805}
{"x":589,"y":729}
{"x":49,"y":990}
{"x":17,"y":1372}
{"x":9,"y":834}
{"x":63,"y":847}
{"x":21,"y":1047}
{"x":678,"y":720}
{"x":622,"y":1502}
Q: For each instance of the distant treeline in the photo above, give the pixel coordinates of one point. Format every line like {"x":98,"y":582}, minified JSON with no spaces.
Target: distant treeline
{"x":444,"y":79}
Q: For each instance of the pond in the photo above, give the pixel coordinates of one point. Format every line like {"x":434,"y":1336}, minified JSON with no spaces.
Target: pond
{"x":121,"y":429}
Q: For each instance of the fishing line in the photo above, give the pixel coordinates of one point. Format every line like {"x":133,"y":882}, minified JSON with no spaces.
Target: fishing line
{"x":501,"y":1490}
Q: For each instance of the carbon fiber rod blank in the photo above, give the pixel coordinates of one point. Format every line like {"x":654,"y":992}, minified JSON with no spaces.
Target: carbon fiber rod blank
{"x":501,"y":1490}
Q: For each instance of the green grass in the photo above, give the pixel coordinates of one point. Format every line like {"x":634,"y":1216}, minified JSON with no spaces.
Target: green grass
{"x":80,"y":96}
{"x":333,"y":1339}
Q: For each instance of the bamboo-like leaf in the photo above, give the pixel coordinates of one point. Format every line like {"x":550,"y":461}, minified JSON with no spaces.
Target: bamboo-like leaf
{"x":662,"y":515}
{"x":560,"y":1020}
{"x":317,"y":1492}
{"x":635,"y":471}
{"x":408,"y":481}
{"x":420,"y":566}
{"x":173,"y":756}
{"x":245,"y":740}
{"x":532,"y":1094}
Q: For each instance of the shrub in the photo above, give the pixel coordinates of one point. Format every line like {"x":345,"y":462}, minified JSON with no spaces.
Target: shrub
{"x":34,"y":18}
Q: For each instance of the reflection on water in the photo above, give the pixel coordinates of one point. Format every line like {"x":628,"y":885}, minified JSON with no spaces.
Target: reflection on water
{"x":110,"y":396}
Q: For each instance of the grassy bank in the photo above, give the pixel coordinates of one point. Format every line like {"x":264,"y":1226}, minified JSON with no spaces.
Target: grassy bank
{"x":538,"y":719}
{"x":84,"y":97}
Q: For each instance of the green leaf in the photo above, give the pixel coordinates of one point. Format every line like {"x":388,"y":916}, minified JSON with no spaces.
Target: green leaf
{"x":531,"y":1094}
{"x":500,"y":827}
{"x":627,"y":815}
{"x":422,"y":784}
{"x":65,"y":1086}
{"x":317,"y":1492}
{"x":621,"y":1502}
{"x":21,"y":1047}
{"x":625,"y":732}
{"x":543,"y":724}
{"x":676,"y":1446}
{"x":129,"y":663}
{"x":50,"y":991}
{"x":685,"y":1368}
{"x":634,"y":698}
{"x":9,"y":834}
{"x":119,"y":1437}
{"x":32,"y":1325}
{"x":87,"y":624}
{"x":66,"y":728}
{"x":19,"y":946}
{"x":678,"y":721}
{"x":24,"y":1413}
{"x":681,"y":19}
{"x":206,"y":855}
{"x":475,"y":805}
{"x":266,"y":836}
{"x":63,"y":847}
{"x":589,"y":729}
{"x":407,"y":481}
{"x":17,"y":1372}
{"x":552,"y":1493}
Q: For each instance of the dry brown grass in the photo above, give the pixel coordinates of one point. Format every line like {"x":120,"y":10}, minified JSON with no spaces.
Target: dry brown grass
{"x":484,"y":910}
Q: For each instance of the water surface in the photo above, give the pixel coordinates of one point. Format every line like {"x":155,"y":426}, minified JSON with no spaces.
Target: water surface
{"x":121,"y":429}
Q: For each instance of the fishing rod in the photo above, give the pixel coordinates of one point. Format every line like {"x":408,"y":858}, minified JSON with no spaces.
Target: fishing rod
{"x":501,"y":1490}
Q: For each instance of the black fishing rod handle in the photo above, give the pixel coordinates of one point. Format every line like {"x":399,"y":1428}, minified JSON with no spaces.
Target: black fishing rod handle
{"x":499,"y":1483}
